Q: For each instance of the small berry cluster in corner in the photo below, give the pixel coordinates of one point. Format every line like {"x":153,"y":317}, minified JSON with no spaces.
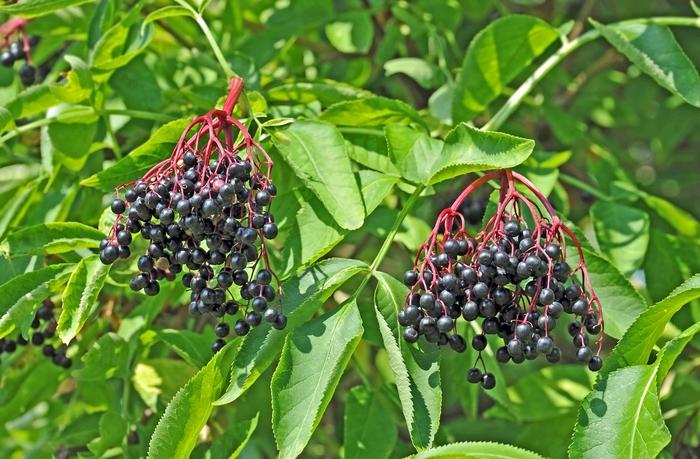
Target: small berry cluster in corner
{"x":16,"y":46}
{"x":207,"y":209}
{"x":44,"y":324}
{"x":513,"y":277}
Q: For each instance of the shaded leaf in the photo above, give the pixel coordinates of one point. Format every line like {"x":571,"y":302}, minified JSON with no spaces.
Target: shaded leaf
{"x":141,"y":159}
{"x":51,"y":238}
{"x":21,"y":296}
{"x":303,"y":295}
{"x":80,"y":296}
{"x":415,"y":367}
{"x":368,"y":429}
{"x":352,"y":32}
{"x":621,"y":417}
{"x":636,"y":345}
{"x":177,"y":430}
{"x":622,"y":233}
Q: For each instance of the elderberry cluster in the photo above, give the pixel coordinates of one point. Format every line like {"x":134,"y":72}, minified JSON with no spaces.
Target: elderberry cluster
{"x":513,"y":279}
{"x":44,"y":324}
{"x":205,"y":210}
{"x":17,"y":47}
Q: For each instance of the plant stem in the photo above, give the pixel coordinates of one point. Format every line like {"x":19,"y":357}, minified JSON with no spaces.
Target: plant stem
{"x":113,"y":137}
{"x":567,"y":48}
{"x":583,"y":186}
{"x":384,"y":249}
{"x":228,"y":71}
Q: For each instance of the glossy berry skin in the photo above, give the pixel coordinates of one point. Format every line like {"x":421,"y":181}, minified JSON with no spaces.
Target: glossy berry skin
{"x":474,"y":375}
{"x":479,"y":342}
{"x":488,"y":381}
{"x":222,"y":330}
{"x":595,"y":363}
{"x":27,"y":75}
{"x":218,"y":345}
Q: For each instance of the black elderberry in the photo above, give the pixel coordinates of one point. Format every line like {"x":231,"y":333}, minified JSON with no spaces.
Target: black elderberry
{"x":280,"y":322}
{"x":488,"y":381}
{"x":410,"y":334}
{"x":479,"y":342}
{"x":218,"y":345}
{"x":474,"y":375}
{"x":222,"y":330}
{"x":457,"y":343}
{"x":595,"y":363}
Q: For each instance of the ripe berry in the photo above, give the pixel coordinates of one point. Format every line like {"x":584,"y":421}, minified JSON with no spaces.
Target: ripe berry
{"x":222,"y":330}
{"x":595,"y":363}
{"x":410,"y":334}
{"x":27,"y":75}
{"x":488,"y":381}
{"x":457,"y":343}
{"x":241,"y":327}
{"x":479,"y":342}
{"x":218,"y":345}
{"x":118,"y":206}
{"x":474,"y":375}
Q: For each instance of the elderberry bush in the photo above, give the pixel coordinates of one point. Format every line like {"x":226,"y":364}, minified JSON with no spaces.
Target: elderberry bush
{"x":43,"y":335}
{"x":16,"y":47}
{"x":206,"y":212}
{"x":513,"y":279}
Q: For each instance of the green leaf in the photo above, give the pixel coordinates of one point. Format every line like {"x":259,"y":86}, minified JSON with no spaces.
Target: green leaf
{"x":72,"y":138}
{"x":105,"y":359}
{"x":372,"y":111}
{"x":418,"y":69}
{"x":80,"y":296}
{"x":140,"y":160}
{"x":681,"y":220}
{"x":50,"y":238}
{"x":415,"y":367}
{"x":303,"y":295}
{"x":352,"y":32}
{"x":621,"y":417}
{"x":468,"y":150}
{"x":622,"y":233}
{"x":313,"y":359}
{"x":495,"y":56}
{"x":36,"y":382}
{"x":312,"y":232}
{"x":636,"y":345}
{"x":477,"y":450}
{"x":621,"y":302}
{"x":316,"y":152}
{"x":36,"y":8}
{"x":655,"y":51}
{"x":22,"y":295}
{"x":327,"y":92}
{"x":77,"y":85}
{"x":231,"y":443}
{"x":672,"y":350}
{"x":371,"y":159}
{"x":368,"y":432}
{"x":191,"y":346}
{"x":120,"y":44}
{"x":177,"y":430}
{"x":113,"y":428}
{"x":31,"y":101}
{"x":165,"y":12}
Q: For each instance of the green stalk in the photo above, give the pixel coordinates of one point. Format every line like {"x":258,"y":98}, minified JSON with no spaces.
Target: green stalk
{"x":567,"y":48}
{"x":228,"y":71}
{"x":384,"y":249}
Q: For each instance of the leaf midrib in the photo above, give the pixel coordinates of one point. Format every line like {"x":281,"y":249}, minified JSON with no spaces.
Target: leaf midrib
{"x":638,"y":412}
{"x":323,"y":369}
